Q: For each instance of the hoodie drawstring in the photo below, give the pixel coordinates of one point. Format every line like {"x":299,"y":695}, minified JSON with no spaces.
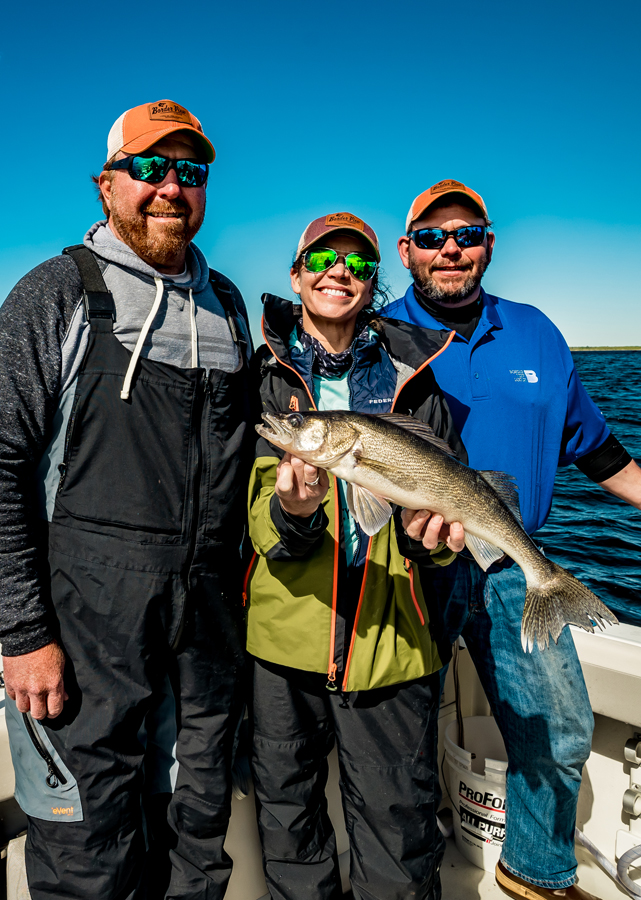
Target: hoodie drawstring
{"x":194,"y":332}
{"x":126,"y":385}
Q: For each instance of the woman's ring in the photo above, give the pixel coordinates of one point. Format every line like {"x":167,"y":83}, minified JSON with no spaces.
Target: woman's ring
{"x":314,"y":483}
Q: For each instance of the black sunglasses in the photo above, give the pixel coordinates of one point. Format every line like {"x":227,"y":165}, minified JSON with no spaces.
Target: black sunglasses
{"x":435,"y":238}
{"x":154,"y":169}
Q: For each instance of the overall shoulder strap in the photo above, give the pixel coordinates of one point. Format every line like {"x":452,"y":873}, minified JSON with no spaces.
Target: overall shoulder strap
{"x":99,"y":302}
{"x":224,"y":294}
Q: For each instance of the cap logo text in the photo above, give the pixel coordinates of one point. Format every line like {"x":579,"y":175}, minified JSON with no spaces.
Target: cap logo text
{"x":168,"y":112}
{"x":345,"y":219}
{"x":446,"y":186}
{"x":62,"y":810}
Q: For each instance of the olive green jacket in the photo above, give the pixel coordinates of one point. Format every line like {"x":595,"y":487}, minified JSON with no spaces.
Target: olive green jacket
{"x":293,"y":581}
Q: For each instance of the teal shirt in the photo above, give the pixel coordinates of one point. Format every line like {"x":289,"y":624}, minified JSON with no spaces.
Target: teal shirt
{"x":333,"y":393}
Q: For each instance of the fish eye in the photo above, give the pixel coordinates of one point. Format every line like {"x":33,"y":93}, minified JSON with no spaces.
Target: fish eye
{"x":295,"y":419}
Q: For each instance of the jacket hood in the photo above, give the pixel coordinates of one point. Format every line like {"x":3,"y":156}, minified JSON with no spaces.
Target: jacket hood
{"x":404,"y":341}
{"x":101,"y":239}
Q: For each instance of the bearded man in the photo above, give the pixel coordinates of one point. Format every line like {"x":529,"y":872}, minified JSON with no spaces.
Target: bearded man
{"x":519,"y":406}
{"x":123,"y":379}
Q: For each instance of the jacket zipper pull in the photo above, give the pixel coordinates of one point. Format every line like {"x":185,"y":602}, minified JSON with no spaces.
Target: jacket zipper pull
{"x":331,"y":678}
{"x":52,"y":778}
{"x":232,"y":328}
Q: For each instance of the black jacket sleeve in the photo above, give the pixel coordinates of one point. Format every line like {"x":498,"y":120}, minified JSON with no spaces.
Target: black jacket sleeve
{"x":33,"y":322}
{"x":298,"y":536}
{"x":604,"y":462}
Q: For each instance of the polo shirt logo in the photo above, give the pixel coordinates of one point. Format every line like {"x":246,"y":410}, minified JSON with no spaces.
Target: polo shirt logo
{"x":525,"y":375}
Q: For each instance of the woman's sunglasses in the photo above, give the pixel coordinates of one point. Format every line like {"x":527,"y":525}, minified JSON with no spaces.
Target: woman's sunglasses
{"x":154,"y":169}
{"x":320,"y":259}
{"x":435,"y":238}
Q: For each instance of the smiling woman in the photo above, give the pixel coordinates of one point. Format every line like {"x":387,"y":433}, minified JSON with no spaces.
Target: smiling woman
{"x":336,"y":277}
{"x":333,"y":612}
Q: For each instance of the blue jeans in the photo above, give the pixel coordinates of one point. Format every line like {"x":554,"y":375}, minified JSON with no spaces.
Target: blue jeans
{"x":541,"y":705}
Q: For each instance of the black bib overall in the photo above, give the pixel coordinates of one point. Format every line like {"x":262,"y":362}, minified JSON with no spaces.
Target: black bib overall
{"x":145,"y":583}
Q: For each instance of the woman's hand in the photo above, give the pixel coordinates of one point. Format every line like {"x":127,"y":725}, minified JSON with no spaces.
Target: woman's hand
{"x":300,"y":487}
{"x":430,"y":529}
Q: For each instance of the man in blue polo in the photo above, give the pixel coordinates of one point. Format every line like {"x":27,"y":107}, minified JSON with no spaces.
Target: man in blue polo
{"x":520,"y":407}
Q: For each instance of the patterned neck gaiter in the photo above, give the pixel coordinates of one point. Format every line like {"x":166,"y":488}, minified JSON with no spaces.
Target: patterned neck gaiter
{"x":332,"y":365}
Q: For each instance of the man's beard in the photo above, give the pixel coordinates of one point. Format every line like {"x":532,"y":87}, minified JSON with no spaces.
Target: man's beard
{"x":441,"y":294}
{"x":162,"y":246}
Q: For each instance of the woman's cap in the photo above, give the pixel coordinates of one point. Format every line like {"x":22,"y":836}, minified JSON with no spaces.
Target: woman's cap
{"x":423,"y":202}
{"x":341,"y":221}
{"x":138,"y":128}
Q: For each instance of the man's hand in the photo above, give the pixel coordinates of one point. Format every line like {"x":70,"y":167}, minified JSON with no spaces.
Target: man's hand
{"x":430,"y":529}
{"x":34,"y":680}
{"x":299,"y":486}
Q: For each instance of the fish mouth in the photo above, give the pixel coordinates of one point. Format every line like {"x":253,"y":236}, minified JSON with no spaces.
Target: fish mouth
{"x":280,"y":433}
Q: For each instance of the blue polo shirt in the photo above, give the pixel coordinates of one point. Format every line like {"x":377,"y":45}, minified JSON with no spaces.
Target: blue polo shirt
{"x":515,"y":396}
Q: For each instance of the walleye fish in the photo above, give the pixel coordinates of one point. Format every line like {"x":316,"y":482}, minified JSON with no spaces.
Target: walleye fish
{"x":395,"y":458}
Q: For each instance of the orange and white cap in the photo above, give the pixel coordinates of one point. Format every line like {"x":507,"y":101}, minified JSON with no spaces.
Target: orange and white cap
{"x":423,"y":202}
{"x":341,"y":221}
{"x":138,"y":128}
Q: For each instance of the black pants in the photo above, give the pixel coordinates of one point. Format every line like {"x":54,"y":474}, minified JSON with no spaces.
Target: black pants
{"x":387,"y":750}
{"x":115,"y":624}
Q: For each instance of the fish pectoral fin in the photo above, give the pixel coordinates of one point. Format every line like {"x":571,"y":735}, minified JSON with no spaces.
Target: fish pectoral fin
{"x":394,"y":476}
{"x":420,"y":429}
{"x":483,"y":552}
{"x":371,"y":512}
{"x":507,"y":489}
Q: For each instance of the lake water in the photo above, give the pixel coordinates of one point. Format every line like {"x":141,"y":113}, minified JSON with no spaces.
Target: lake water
{"x":590,"y":532}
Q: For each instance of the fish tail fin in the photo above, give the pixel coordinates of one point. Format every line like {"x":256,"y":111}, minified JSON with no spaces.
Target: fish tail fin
{"x":561,"y":600}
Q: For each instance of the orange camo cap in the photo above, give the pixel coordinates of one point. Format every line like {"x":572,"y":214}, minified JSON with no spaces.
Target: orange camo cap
{"x":423,"y":202}
{"x":341,"y":221}
{"x":138,"y":128}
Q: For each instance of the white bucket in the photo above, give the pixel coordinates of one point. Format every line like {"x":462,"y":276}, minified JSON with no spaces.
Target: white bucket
{"x":477,"y":789}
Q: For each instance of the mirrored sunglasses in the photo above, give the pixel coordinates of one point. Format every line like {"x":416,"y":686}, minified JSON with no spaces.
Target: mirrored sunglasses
{"x":154,"y":169}
{"x":435,"y":238}
{"x":320,"y":259}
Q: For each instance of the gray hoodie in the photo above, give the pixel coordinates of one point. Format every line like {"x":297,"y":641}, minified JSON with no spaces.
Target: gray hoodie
{"x":131,"y":281}
{"x":43,"y":335}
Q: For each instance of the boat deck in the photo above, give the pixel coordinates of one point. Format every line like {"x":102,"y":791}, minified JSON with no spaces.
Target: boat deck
{"x":612,"y":668}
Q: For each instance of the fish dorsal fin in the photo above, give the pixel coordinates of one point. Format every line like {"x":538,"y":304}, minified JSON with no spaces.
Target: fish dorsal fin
{"x":371,"y":512}
{"x":420,"y":429}
{"x":483,"y":552}
{"x":507,"y":489}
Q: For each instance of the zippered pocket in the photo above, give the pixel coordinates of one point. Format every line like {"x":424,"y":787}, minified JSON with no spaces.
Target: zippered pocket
{"x":55,"y":776}
{"x":45,"y":787}
{"x":71,"y":424}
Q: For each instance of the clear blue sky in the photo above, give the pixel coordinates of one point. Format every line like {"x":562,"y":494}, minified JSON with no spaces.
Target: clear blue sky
{"x":317,"y":108}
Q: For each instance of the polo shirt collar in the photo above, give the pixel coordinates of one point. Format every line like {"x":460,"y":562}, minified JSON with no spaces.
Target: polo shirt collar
{"x":490,"y":317}
{"x":490,"y":314}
